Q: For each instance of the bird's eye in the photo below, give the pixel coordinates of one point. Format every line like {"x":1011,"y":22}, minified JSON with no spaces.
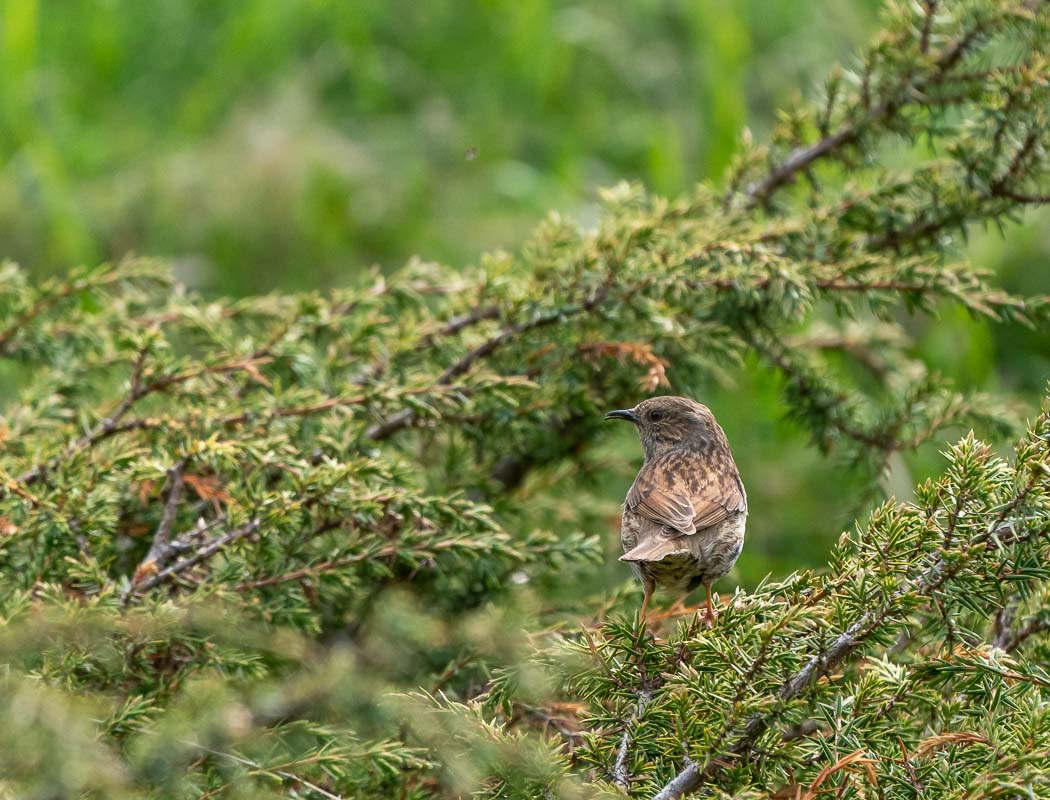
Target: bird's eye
{"x":656,"y":416}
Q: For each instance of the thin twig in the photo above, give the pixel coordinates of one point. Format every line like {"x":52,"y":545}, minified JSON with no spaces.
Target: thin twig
{"x":160,"y":549}
{"x":288,"y":776}
{"x":929,"y":11}
{"x":1015,"y":639}
{"x":494,"y":343}
{"x":203,"y":554}
{"x":621,"y":776}
{"x":137,"y":389}
{"x":113,"y":275}
{"x":457,"y":324}
{"x":403,"y":418}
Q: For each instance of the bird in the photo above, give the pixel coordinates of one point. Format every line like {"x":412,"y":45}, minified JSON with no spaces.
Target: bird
{"x":684,"y":517}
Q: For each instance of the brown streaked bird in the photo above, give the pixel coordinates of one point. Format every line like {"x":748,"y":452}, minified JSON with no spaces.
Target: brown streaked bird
{"x":683,"y":520}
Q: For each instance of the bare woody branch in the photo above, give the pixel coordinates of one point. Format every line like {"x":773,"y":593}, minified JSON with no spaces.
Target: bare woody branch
{"x":202,"y":554}
{"x":160,"y":550}
{"x":620,"y":774}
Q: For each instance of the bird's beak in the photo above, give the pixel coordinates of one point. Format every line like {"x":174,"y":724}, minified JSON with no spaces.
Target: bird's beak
{"x":625,"y":413}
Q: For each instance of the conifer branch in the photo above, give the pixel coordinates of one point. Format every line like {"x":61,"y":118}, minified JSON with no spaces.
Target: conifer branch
{"x":160,"y":549}
{"x":91,"y":281}
{"x":202,"y":554}
{"x":907,"y":90}
{"x":404,"y":418}
{"x":820,"y":665}
{"x":137,"y":390}
{"x":1002,"y":533}
{"x":283,"y":774}
{"x":621,"y":776}
{"x":333,"y":561}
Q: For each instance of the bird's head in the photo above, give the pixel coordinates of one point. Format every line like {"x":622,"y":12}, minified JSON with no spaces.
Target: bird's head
{"x":670,"y":423}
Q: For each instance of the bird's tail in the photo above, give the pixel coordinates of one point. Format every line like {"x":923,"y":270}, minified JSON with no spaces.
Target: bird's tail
{"x":656,"y":549}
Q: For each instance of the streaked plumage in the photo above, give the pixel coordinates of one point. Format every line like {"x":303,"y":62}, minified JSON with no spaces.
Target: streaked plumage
{"x":684,"y":516}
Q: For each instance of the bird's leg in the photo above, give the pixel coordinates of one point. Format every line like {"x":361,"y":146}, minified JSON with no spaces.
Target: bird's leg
{"x":648,"y":589}
{"x":710,"y":615}
{"x":643,"y":622}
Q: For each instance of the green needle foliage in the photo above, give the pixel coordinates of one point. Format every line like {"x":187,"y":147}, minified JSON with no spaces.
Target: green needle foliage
{"x":303,"y":546}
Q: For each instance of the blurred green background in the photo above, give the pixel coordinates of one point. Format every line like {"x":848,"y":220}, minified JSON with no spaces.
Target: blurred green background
{"x":292,"y":144}
{"x":288,"y":143}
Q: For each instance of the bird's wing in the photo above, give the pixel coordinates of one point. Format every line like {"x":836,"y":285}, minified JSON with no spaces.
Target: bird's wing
{"x":684,"y":493}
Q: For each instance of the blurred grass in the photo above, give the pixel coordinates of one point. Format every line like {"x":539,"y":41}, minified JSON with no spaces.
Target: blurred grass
{"x":269,"y":144}
{"x":288,"y":143}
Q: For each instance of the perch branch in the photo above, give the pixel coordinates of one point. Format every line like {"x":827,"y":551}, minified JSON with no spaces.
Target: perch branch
{"x":999,"y":535}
